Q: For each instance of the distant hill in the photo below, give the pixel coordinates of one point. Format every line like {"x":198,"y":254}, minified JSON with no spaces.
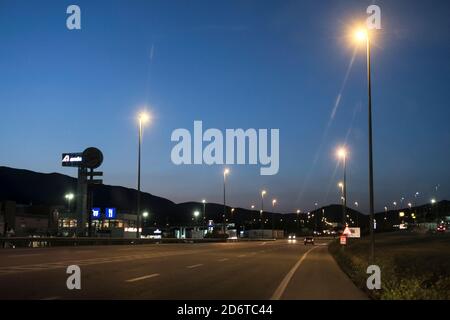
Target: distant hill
{"x":29,"y":187}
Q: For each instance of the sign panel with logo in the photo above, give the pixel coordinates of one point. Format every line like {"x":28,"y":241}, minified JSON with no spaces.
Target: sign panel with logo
{"x":72,"y":159}
{"x":96,"y":213}
{"x":110,"y":213}
{"x":343,"y":240}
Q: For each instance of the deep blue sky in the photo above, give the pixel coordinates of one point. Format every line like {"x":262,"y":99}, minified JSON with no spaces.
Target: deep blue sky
{"x":232,"y":64}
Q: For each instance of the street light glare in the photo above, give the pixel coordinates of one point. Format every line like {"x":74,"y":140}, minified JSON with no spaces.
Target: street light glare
{"x":145,"y":214}
{"x":263,"y":192}
{"x":69,"y":196}
{"x":226,"y":171}
{"x":196,"y":213}
{"x":341,"y":152}
{"x":144,"y":117}
{"x":360,"y":35}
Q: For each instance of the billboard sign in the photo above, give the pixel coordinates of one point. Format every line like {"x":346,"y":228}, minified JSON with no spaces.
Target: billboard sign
{"x":72,"y":159}
{"x":110,"y":213}
{"x":354,"y":233}
{"x":96,"y":213}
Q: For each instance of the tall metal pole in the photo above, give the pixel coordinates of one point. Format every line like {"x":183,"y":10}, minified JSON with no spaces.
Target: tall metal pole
{"x":371,"y":197}
{"x":224,"y":203}
{"x":344,"y":211}
{"x":138,"y":220}
{"x":262,"y":211}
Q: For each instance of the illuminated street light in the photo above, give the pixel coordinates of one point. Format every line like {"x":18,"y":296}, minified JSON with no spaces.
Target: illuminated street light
{"x":342,"y":155}
{"x":263,"y":192}
{"x":274,"y":201}
{"x":142,"y":119}
{"x":69,"y":197}
{"x":226,"y":171}
{"x":145,"y":214}
{"x":362,"y":36}
{"x":204,"y":211}
{"x":253,"y":206}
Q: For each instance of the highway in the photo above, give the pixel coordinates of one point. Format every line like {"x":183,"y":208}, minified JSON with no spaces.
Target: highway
{"x":241,"y":270}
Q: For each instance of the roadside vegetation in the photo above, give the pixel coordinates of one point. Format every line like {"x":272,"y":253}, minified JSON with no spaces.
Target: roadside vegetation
{"x":413,"y":266}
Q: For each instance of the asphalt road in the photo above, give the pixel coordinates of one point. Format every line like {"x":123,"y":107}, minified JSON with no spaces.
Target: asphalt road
{"x":245,"y":270}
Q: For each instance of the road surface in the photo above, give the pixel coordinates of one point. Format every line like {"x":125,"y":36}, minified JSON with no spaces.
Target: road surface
{"x":245,"y":270}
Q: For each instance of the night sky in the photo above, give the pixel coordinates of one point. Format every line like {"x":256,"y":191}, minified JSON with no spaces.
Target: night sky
{"x":232,"y":64}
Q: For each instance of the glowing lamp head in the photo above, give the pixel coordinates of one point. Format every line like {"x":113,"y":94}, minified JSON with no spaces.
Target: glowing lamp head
{"x":263,"y":192}
{"x":341,"y":153}
{"x":226,"y":171}
{"x":196,"y":213}
{"x":203,"y":201}
{"x":144,"y":117}
{"x":360,"y":35}
{"x":274,"y":201}
{"x":145,"y":214}
{"x":433,"y":201}
{"x":69,"y":196}
{"x":340,"y":184}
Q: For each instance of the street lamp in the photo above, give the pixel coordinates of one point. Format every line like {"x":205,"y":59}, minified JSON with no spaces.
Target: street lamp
{"x":274,"y":201}
{"x":196,"y":214}
{"x":204,"y":211}
{"x":263,"y":192}
{"x":361,"y":35}
{"x":69,"y":198}
{"x":142,"y":119}
{"x":226,"y":171}
{"x":145,"y":214}
{"x":342,"y":155}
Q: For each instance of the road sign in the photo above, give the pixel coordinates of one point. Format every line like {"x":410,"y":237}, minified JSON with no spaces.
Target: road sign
{"x":96,"y":212}
{"x":110,"y":213}
{"x":343,"y":240}
{"x":347,"y":232}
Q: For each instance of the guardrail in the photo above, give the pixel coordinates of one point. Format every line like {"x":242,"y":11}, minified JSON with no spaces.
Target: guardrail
{"x":36,"y":242}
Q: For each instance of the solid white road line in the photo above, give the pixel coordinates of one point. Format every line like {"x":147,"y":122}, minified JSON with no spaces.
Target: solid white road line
{"x":284,"y":283}
{"x":194,"y":266}
{"x":224,"y":259}
{"x":242,"y":255}
{"x":143,"y":277}
{"x":24,"y":255}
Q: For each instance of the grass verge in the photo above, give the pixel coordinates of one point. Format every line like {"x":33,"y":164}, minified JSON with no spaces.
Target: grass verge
{"x":413,"y":266}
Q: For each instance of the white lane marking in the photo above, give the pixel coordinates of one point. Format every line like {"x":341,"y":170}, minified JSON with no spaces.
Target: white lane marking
{"x":143,"y":277}
{"x":261,"y":244}
{"x":242,"y":255}
{"x":24,"y":255}
{"x":284,"y":283}
{"x":194,"y":266}
{"x":224,"y":259}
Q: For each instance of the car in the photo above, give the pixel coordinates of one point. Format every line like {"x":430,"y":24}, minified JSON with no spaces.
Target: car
{"x":441,"y":228}
{"x":291,"y":237}
{"x":309,"y":239}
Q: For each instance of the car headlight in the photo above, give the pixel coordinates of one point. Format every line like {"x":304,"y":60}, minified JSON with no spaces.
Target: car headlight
{"x":293,"y":237}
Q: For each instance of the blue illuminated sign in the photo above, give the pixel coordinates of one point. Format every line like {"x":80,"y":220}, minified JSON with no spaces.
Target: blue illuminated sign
{"x":110,"y":213}
{"x":96,"y":212}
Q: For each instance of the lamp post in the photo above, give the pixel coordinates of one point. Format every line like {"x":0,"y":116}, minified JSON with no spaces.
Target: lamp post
{"x":263,"y":192}
{"x":362,"y":35}
{"x":69,"y":198}
{"x":226,"y":171}
{"x":274,"y":202}
{"x":142,"y":119}
{"x":342,"y":155}
{"x":298,"y":220}
{"x":204,"y":211}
